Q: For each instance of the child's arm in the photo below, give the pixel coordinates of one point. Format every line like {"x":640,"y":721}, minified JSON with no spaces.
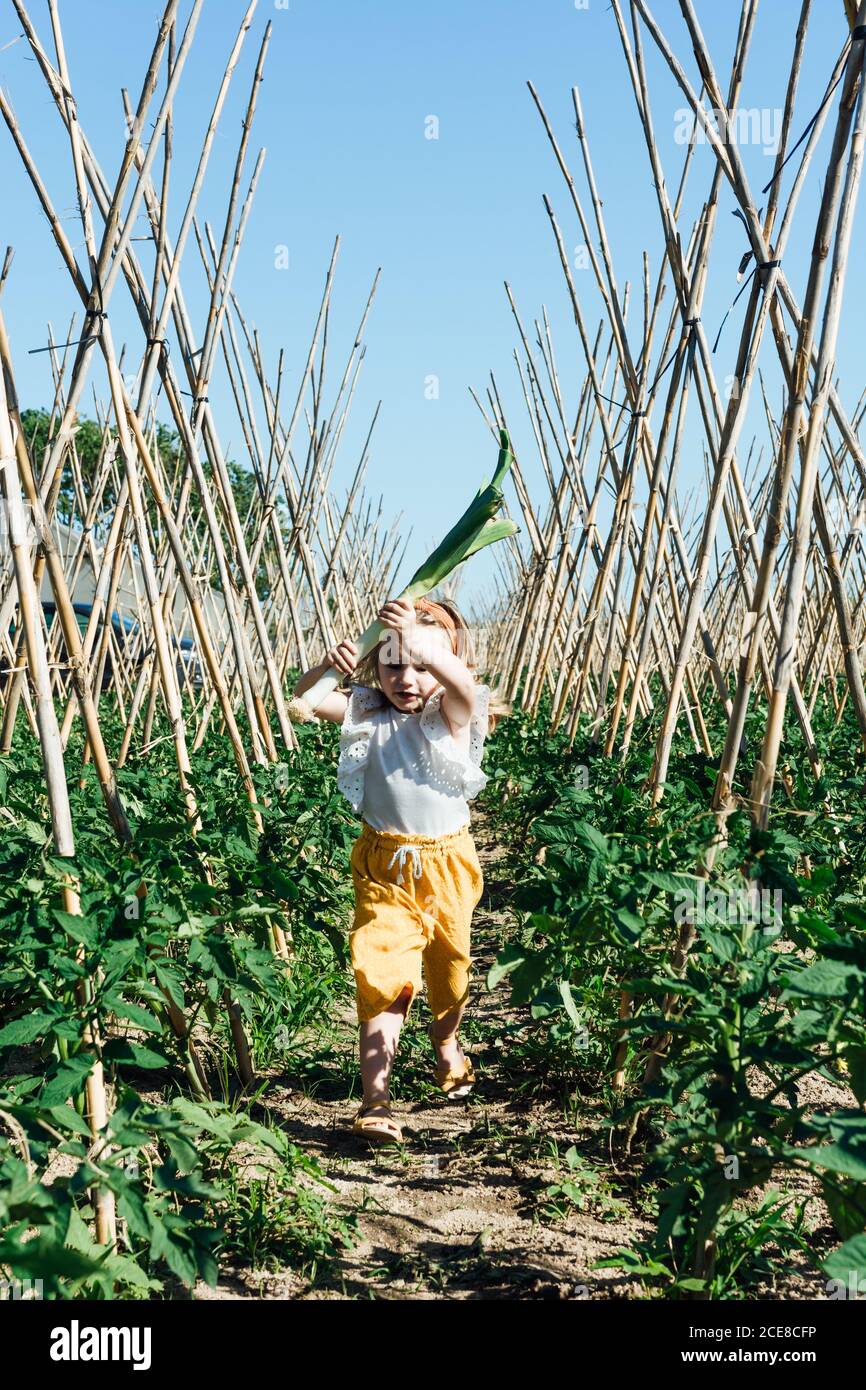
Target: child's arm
{"x":343,"y":658}
{"x":429,"y":650}
{"x":458,"y":702}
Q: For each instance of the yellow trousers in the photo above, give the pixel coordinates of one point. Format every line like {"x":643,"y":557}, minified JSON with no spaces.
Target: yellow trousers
{"x":414,"y":898}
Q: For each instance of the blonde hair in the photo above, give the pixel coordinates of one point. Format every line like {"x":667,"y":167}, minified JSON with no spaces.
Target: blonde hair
{"x":460,"y":638}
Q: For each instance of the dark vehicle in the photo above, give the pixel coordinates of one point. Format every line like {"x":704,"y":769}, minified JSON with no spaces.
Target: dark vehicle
{"x":188,"y":666}
{"x":127,"y":634}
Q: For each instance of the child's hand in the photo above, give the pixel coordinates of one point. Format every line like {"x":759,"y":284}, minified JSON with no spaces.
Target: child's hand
{"x":398,"y":614}
{"x":343,"y":657}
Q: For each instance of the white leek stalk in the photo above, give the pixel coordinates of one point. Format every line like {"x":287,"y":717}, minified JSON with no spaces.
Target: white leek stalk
{"x":477,"y":527}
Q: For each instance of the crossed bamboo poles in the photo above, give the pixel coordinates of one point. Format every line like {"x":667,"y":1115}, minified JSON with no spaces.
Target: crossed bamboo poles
{"x":299,"y":564}
{"x":626,"y":601}
{"x":582,"y":634}
{"x":594,"y":609}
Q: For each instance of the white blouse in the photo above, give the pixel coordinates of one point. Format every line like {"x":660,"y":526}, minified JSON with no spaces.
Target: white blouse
{"x":407,"y":772}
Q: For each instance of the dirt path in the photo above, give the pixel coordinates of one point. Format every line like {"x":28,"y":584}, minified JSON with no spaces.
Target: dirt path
{"x":456,"y":1211}
{"x":462,"y":1208}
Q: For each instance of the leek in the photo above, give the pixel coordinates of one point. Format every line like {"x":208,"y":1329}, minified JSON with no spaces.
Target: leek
{"x":478,"y":526}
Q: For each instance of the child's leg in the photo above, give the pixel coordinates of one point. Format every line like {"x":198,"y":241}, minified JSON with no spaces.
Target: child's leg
{"x":443,"y":1031}
{"x":456,"y":883}
{"x":378,"y":1047}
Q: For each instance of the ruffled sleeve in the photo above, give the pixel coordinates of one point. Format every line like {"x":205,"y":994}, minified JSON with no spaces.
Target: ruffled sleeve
{"x":452,"y":760}
{"x":357,"y":727}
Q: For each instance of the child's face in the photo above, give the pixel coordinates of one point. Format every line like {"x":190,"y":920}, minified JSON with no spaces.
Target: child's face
{"x":407,"y":686}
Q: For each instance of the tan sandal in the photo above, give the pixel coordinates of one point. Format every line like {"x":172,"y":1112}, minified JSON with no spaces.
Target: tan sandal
{"x":455,"y":1084}
{"x":377,"y":1129}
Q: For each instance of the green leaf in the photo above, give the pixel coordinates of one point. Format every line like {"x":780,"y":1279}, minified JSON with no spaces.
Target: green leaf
{"x":822,"y":877}
{"x":847,"y":1263}
{"x":34,"y":831}
{"x":543,"y":924}
{"x":131,"y":1207}
{"x":544,"y":1003}
{"x":629,"y":923}
{"x":43,"y":1256}
{"x":841,"y":1157}
{"x":78,"y":928}
{"x":476,"y":528}
{"x":65,"y":1117}
{"x":176,"y":1255}
{"x":78,"y":1236}
{"x":172,"y":984}
{"x":507,"y":960}
{"x":723,"y":944}
{"x":854,"y":913}
{"x":855,"y":1058}
{"x":135,"y":1013}
{"x":123,"y":1052}
{"x":593,"y":838}
{"x":124,"y":1270}
{"x":826,"y":979}
{"x":669,"y":883}
{"x":25,"y":1030}
{"x":66,"y":1081}
{"x":847,"y":1208}
{"x":491,"y":532}
{"x":570,"y":1006}
{"x":167,"y":1179}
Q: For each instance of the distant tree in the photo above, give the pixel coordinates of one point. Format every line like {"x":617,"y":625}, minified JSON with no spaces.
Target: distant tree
{"x":90,"y":443}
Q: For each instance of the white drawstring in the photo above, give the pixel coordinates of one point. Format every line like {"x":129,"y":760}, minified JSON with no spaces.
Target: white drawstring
{"x":400,"y":855}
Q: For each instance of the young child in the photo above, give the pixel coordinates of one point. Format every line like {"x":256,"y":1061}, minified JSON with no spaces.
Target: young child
{"x":414,"y":726}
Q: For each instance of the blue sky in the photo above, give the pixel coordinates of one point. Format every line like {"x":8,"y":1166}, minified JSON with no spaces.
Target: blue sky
{"x":348,"y":92}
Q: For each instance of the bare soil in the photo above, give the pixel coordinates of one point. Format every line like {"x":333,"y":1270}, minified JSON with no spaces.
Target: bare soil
{"x":461,"y":1210}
